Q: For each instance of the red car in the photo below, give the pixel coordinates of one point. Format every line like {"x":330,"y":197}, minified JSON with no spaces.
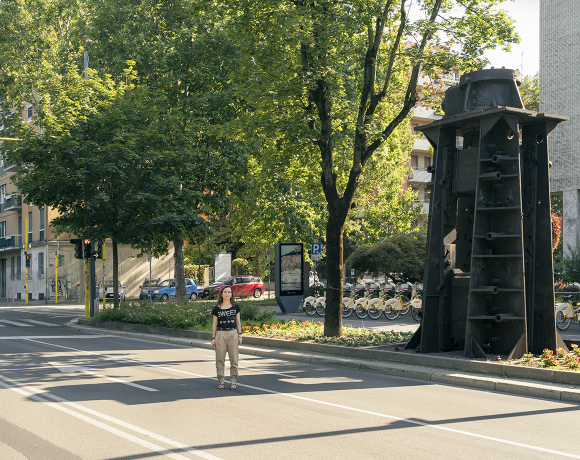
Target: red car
{"x":242,"y":286}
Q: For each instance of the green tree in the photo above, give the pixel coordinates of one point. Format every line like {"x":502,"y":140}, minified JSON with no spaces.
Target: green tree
{"x":530,"y":92}
{"x":181,"y":52}
{"x":335,"y":80}
{"x":400,"y":256}
{"x":100,"y":160}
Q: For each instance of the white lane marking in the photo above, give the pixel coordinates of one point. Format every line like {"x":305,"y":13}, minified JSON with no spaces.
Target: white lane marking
{"x":340,"y":406}
{"x":258,"y":370}
{"x":41,"y":322}
{"x":29,"y":337}
{"x":64,"y":368}
{"x":15,"y":323}
{"x":155,"y":448}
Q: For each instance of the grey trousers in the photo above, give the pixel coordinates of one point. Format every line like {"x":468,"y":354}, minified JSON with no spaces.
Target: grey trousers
{"x":226,"y":341}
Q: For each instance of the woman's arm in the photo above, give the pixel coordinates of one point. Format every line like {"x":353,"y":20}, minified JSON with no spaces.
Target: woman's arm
{"x":213,"y":330}
{"x":239,"y":326}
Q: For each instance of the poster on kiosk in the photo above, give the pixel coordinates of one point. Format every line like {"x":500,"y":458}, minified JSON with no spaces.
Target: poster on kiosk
{"x":289,"y":276}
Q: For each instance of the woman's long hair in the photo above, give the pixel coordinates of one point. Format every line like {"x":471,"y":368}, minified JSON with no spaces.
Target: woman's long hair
{"x":221,"y":296}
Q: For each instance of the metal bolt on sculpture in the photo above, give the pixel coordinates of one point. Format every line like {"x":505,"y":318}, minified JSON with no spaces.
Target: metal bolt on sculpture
{"x":489,"y":283}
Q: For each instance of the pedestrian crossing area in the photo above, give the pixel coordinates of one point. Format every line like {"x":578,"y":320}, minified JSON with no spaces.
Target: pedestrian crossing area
{"x":26,"y":323}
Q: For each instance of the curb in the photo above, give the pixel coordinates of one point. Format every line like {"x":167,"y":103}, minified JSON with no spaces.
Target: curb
{"x":526,"y":381}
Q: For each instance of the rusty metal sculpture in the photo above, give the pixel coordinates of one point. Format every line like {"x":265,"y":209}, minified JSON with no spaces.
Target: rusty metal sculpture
{"x":489,"y":274}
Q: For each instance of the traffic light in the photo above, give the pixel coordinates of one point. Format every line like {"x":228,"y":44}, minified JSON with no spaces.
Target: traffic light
{"x":98,"y":250}
{"x":88,"y":252}
{"x":78,"y":248}
{"x":60,"y":262}
{"x":27,"y":259}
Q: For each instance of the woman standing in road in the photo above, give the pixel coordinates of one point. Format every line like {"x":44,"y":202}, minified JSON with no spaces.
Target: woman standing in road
{"x":226,"y":335}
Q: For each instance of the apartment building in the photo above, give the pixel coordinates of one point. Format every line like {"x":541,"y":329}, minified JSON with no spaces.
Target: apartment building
{"x":25,"y":227}
{"x":422,"y":154}
{"x":559,"y":62}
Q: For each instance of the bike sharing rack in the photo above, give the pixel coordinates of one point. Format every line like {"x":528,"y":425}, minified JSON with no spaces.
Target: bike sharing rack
{"x":489,"y":283}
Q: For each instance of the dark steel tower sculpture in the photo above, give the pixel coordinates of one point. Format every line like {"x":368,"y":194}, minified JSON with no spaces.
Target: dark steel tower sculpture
{"x":489,"y":284}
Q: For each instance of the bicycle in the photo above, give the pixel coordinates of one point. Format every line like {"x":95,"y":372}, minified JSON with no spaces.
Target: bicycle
{"x":400,"y":304}
{"x":377,"y":306}
{"x":311,"y":301}
{"x":349,"y":302}
{"x":361,"y":309}
{"x":566,"y":313}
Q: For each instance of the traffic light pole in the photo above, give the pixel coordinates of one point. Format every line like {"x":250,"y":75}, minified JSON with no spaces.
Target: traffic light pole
{"x":26,"y":260}
{"x":56,"y":278}
{"x":92,"y":284}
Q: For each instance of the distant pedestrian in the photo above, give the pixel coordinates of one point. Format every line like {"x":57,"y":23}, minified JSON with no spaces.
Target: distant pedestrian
{"x":226,"y":335}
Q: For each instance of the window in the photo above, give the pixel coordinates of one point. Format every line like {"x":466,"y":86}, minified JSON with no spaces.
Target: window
{"x":41,"y":225}
{"x":427,"y":161}
{"x":2,"y":229}
{"x":19,"y":268}
{"x":12,"y":269}
{"x":29,"y":111}
{"x":427,"y":194}
{"x":29,"y":227}
{"x":414,"y":161}
{"x":40,"y":264}
{"x":2,"y":193}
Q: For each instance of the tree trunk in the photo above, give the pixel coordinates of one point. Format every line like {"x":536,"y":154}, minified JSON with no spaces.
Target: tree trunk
{"x":334,"y":278}
{"x":115,"y":277}
{"x":178,"y":268}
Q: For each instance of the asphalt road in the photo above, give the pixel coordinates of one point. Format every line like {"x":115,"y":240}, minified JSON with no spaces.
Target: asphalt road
{"x":66,"y":395}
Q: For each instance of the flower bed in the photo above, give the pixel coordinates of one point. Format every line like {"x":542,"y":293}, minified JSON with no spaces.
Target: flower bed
{"x":560,"y":359}
{"x":311,"y":331}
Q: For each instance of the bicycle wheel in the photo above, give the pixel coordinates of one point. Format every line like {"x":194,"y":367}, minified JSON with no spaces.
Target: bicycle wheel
{"x":416,"y":313}
{"x":406,"y":305}
{"x":562,"y":322}
{"x":374,"y":313}
{"x":346,"y":312}
{"x":320,"y":309}
{"x":309,"y":309}
{"x":390,"y":313}
{"x":361,"y":312}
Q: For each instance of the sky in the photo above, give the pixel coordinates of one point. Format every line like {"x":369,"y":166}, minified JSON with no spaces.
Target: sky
{"x":527,"y":16}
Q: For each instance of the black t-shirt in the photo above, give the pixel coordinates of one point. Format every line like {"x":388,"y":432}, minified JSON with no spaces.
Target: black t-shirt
{"x":226,"y":317}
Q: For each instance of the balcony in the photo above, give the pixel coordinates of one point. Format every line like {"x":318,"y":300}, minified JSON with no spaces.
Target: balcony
{"x":9,"y":166}
{"x":421,"y":144}
{"x":13,"y":202}
{"x":419,"y":175}
{"x":10,"y":242}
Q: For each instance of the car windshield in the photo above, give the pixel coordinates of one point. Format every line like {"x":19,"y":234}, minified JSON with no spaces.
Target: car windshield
{"x":164,"y":283}
{"x":153,"y":283}
{"x":109,"y":283}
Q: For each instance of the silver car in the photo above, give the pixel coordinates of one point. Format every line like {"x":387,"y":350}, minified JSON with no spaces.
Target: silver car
{"x":109,"y":290}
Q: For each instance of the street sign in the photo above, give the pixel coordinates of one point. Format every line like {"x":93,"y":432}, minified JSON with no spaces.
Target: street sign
{"x":268,"y":255}
{"x":316,"y":252}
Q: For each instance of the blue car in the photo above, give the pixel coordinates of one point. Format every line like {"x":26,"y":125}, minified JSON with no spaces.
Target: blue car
{"x":166,"y":289}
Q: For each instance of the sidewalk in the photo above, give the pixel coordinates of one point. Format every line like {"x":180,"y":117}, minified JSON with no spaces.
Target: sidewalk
{"x":490,"y":376}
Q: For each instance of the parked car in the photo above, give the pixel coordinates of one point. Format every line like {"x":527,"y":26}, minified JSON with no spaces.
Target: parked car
{"x":242,"y":286}
{"x":109,"y":290}
{"x":166,"y":289}
{"x":145,"y":287}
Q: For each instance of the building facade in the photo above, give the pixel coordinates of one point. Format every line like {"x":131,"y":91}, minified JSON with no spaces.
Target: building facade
{"x":559,"y":63}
